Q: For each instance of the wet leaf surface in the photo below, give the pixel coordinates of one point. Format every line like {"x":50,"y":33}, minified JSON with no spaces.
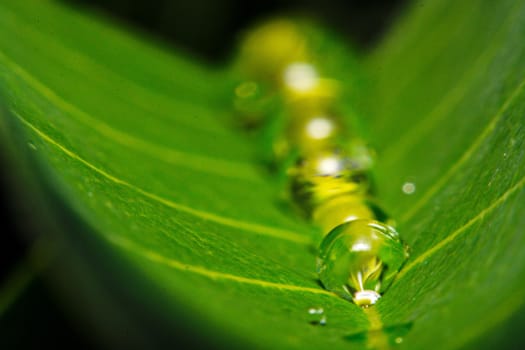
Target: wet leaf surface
{"x":134,"y":140}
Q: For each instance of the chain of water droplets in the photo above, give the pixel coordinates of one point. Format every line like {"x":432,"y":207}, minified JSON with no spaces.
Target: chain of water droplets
{"x":303,"y":118}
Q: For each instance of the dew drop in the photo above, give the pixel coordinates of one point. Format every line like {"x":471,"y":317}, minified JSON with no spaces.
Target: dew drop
{"x":301,"y":76}
{"x":325,"y":175}
{"x":359,"y":259}
{"x":316,"y":311}
{"x":309,"y":130}
{"x":408,"y":188}
{"x":246,"y":89}
{"x":317,"y":316}
{"x":340,"y":209}
{"x":320,"y":128}
{"x":344,"y":208}
{"x":32,"y":146}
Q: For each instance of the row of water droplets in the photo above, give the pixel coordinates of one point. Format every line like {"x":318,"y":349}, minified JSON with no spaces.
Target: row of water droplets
{"x":309,"y":137}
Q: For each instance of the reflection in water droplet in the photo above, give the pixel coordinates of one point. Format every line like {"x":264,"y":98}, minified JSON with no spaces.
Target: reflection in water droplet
{"x":316,"y":311}
{"x":322,"y":176}
{"x":317,"y":316}
{"x":343,"y":208}
{"x":408,"y":188}
{"x":359,"y":259}
{"x":320,"y":128}
{"x":301,"y":76}
{"x":32,"y":146}
{"x":393,"y":334}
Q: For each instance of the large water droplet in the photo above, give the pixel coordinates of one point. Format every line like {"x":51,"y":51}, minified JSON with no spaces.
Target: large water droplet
{"x":359,"y":259}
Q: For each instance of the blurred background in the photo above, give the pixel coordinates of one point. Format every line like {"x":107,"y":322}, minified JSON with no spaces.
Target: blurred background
{"x":204,"y":28}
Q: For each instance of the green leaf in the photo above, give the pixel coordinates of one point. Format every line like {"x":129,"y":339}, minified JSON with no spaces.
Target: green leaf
{"x":134,"y":141}
{"x":451,"y":120}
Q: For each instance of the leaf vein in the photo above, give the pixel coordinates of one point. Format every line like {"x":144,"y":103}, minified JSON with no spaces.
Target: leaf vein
{"x":134,"y":92}
{"x":465,"y":157}
{"x":251,"y":227}
{"x":446,"y":103}
{"x":450,"y":238}
{"x":196,"y":162}
{"x":214,"y":275}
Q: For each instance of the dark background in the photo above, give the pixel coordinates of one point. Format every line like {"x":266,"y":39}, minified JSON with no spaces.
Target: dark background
{"x":208,"y":28}
{"x":205,"y":28}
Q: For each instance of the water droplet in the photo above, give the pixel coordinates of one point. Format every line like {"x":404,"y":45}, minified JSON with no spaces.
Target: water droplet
{"x":325,"y":175}
{"x":344,"y":208}
{"x":308,"y":130}
{"x":340,"y":209}
{"x":316,"y":311}
{"x":246,"y":89}
{"x":359,"y":259}
{"x":408,"y":188}
{"x":32,"y":146}
{"x":300,"y":76}
{"x":320,"y":127}
{"x":317,"y":316}
{"x":253,"y":102}
{"x":270,"y":47}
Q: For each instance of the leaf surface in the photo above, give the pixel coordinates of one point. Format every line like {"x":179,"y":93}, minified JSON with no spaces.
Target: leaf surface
{"x":134,"y":139}
{"x":451,"y":121}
